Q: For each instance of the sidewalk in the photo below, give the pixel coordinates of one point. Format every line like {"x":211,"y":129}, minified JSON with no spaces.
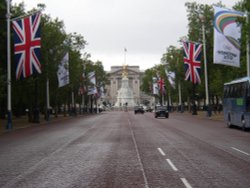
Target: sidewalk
{"x":203,"y":114}
{"x":22,"y":122}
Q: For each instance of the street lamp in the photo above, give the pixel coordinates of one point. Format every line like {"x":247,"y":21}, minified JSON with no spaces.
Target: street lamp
{"x":9,"y":123}
{"x":202,"y":19}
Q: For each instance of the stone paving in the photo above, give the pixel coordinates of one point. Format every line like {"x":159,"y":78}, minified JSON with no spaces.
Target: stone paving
{"x":22,"y":122}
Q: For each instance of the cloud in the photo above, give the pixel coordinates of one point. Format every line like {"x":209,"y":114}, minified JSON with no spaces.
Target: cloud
{"x":145,"y":27}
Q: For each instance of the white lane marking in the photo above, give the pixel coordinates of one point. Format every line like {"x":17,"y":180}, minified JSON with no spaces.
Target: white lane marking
{"x":162,"y":152}
{"x":171,"y":164}
{"x":240,"y":151}
{"x":138,"y":156}
{"x":185,"y":182}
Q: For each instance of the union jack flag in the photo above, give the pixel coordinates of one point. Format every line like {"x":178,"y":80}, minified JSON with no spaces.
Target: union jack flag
{"x":27,"y":43}
{"x":161,"y":85}
{"x":192,"y":61}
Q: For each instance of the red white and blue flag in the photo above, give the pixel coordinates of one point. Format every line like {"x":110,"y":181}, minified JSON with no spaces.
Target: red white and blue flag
{"x":161,"y":83}
{"x":192,"y":61}
{"x":27,"y":45}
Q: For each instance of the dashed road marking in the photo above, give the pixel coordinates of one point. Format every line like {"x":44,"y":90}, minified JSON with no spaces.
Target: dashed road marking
{"x":162,"y":152}
{"x":240,"y":151}
{"x":171,"y":164}
{"x":185,"y":182}
{"x":138,"y":156}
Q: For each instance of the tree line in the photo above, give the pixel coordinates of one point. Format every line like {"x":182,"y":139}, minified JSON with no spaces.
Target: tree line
{"x":30,"y":93}
{"x":217,"y":74}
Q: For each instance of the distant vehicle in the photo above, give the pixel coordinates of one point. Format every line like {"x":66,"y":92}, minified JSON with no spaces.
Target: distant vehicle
{"x":148,"y":109}
{"x":138,"y":109}
{"x":236,"y":103}
{"x":161,"y":111}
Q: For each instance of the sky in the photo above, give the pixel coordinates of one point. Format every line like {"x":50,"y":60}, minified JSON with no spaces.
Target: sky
{"x":145,"y":28}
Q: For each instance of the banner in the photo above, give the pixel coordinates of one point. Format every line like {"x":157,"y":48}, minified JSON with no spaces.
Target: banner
{"x":155,"y":86}
{"x":27,"y":45}
{"x":63,"y":71}
{"x":102,"y":94}
{"x":92,"y":88}
{"x":227,"y":35}
{"x":161,"y":84}
{"x":192,"y":61}
{"x":171,"y":77}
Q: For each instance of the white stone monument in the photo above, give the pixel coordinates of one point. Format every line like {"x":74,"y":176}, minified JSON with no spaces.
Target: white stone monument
{"x":125,"y":96}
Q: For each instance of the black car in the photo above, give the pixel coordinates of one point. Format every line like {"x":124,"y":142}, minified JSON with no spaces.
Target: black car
{"x":161,"y":111}
{"x":138,"y":109}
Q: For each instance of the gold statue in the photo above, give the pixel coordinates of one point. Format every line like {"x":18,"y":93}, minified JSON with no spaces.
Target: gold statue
{"x":125,"y":71}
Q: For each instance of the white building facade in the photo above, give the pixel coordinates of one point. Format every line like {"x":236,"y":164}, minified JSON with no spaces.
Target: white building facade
{"x":134,"y":76}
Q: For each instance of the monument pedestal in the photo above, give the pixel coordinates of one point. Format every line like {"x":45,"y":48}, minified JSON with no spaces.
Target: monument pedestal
{"x":125,"y":96}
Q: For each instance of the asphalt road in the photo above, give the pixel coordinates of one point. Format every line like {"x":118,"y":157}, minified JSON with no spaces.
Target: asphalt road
{"x":121,"y":149}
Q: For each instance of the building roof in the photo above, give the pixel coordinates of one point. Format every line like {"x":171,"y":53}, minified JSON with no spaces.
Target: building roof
{"x":238,"y":80}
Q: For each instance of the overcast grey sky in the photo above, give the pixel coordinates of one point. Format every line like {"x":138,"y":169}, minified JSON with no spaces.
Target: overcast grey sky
{"x":144,"y":27}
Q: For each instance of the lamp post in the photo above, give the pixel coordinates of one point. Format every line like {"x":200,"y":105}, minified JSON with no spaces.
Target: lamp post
{"x":202,"y":18}
{"x":9,"y":123}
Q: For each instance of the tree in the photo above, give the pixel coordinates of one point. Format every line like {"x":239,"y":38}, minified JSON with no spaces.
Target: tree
{"x":217,"y":74}
{"x":55,"y":43}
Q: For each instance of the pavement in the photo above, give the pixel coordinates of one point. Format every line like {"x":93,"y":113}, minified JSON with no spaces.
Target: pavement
{"x":215,"y":116}
{"x":22,"y":122}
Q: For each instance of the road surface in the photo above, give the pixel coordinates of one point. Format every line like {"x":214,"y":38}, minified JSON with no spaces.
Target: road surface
{"x":120,"y":149}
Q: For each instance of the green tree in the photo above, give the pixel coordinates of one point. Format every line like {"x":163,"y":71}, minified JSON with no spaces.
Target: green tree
{"x":31,"y":91}
{"x":217,"y":74}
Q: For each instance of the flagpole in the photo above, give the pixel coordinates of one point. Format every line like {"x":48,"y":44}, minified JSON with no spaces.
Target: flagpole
{"x":27,"y":15}
{"x":9,"y":123}
{"x":83,"y":99}
{"x":162,"y":97}
{"x":47,"y":88}
{"x":125,"y":51}
{"x":180,"y":100}
{"x":205,"y":61}
{"x":179,"y":89}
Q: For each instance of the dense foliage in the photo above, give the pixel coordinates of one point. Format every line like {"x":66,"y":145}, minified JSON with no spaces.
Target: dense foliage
{"x":217,"y":74}
{"x":30,"y":93}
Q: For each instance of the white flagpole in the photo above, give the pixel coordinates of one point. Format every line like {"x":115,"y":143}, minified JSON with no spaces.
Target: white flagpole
{"x":162,"y":97}
{"x":83,"y":99}
{"x":201,"y":16}
{"x":179,"y":89}
{"x":169,"y":99}
{"x":9,"y":123}
{"x":125,"y":51}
